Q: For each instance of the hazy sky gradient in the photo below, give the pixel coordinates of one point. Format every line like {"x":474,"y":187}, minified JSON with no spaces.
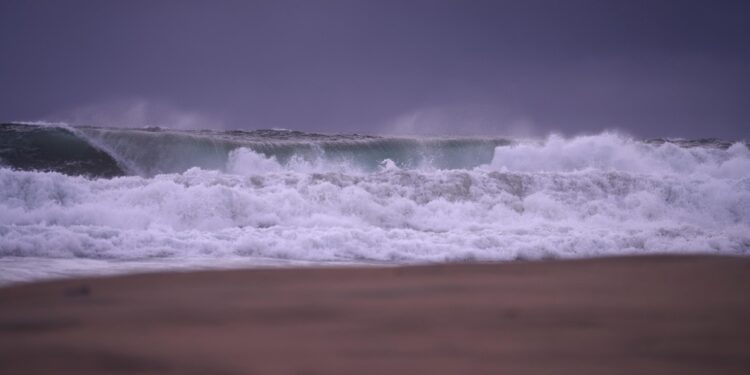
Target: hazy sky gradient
{"x":651,"y":68}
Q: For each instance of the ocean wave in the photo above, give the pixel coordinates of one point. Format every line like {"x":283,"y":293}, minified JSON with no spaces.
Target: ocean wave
{"x":561,"y":197}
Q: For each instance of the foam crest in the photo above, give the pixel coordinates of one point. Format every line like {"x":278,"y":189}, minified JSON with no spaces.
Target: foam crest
{"x":614,"y":152}
{"x":246,"y":162}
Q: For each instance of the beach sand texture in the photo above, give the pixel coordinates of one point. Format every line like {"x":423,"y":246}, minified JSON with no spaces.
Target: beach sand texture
{"x":633,"y":315}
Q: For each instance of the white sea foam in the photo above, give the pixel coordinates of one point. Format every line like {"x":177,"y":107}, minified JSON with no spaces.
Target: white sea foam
{"x":586,"y":196}
{"x":613,"y":152}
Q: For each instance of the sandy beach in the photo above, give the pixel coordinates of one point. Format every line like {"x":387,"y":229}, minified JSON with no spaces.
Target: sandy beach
{"x":633,"y":315}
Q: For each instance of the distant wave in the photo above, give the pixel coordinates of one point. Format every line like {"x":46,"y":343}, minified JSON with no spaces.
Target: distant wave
{"x":292,"y":196}
{"x":151,"y":151}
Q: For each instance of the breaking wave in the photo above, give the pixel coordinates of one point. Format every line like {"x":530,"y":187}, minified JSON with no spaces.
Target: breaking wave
{"x":205,"y":198}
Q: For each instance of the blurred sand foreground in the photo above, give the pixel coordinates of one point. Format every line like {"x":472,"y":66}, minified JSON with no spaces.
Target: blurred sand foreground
{"x":635,"y":315}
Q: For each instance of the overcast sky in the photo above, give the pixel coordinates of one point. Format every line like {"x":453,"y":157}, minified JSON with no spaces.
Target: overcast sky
{"x":650,"y":68}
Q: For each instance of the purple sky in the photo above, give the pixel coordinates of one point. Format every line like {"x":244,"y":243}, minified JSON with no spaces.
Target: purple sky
{"x":650,"y":68}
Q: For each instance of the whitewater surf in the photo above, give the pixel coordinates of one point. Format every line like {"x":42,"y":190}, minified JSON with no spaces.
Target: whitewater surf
{"x":90,"y":200}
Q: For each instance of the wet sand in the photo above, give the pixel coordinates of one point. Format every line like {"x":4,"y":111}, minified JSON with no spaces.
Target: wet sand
{"x":636,"y":315}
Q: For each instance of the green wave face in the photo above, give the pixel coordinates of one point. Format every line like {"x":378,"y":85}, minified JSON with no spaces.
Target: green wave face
{"x":108,"y":152}
{"x":111,"y":152}
{"x":54,"y":149}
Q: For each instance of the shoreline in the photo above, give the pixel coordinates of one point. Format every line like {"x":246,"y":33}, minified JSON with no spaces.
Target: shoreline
{"x":640,"y":314}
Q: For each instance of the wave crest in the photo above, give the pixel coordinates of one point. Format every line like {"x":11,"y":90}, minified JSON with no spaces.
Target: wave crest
{"x":614,"y":152}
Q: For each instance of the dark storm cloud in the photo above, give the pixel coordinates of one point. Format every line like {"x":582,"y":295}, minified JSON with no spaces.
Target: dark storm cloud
{"x":652,"y":68}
